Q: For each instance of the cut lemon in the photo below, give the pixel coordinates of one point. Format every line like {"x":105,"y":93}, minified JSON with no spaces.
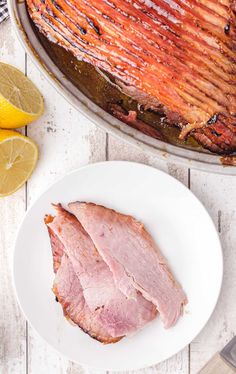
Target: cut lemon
{"x":20,"y":101}
{"x":18,"y":157}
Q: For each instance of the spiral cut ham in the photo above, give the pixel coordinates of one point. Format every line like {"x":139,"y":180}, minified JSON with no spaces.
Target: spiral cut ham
{"x":180,"y":53}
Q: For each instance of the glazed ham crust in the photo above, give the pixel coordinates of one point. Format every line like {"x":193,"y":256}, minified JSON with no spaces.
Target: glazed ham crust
{"x":179,"y":52}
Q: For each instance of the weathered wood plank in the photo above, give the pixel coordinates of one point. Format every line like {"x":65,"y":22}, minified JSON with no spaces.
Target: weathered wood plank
{"x":66,"y":141}
{"x":119,"y":150}
{"x":12,"y":323}
{"x":217,"y":193}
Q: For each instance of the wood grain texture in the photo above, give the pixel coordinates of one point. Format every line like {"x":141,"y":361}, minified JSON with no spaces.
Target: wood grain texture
{"x":217,"y":193}
{"x":66,"y":141}
{"x":12,"y":323}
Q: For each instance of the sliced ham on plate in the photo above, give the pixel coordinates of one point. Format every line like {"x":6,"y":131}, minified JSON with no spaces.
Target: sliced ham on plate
{"x":133,"y":258}
{"x":116,"y":313}
{"x":69,"y":293}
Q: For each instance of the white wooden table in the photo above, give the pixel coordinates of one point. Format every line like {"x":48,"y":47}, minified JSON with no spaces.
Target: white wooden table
{"x":67,"y":141}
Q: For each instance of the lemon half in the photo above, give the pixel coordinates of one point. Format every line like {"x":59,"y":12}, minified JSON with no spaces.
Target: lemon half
{"x":20,"y":101}
{"x":18,"y":157}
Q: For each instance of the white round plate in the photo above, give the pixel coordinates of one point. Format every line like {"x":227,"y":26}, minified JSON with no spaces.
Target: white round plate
{"x":180,"y":225}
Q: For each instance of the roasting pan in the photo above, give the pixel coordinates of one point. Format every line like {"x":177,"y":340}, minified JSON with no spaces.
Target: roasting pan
{"x":189,"y":155}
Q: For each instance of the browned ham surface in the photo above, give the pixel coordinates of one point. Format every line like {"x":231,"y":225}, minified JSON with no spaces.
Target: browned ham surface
{"x":133,"y":257}
{"x":90,"y":283}
{"x":180,"y":53}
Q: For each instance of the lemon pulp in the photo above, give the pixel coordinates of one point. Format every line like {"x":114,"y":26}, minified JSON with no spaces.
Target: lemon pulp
{"x":20,"y":101}
{"x":18,"y":157}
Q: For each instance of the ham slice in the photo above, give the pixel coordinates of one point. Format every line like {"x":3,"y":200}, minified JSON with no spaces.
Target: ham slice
{"x":69,"y":293}
{"x":133,"y":257}
{"x":117,"y":314}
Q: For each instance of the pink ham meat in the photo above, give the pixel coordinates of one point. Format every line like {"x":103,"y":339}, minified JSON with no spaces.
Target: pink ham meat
{"x":56,"y":245}
{"x":116,"y":313}
{"x":69,"y":293}
{"x":133,"y":257}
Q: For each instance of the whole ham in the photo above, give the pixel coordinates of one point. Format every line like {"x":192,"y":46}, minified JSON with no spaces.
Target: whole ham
{"x":133,"y":257}
{"x":178,"y":54}
{"x":83,"y":278}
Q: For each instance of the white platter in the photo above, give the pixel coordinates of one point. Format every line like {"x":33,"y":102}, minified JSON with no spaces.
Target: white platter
{"x":179,"y":224}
